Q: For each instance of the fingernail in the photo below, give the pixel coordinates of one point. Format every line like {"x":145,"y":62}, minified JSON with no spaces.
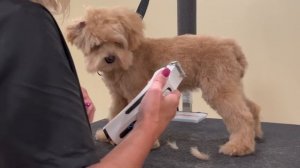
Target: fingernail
{"x":87,"y":104}
{"x":166,"y":72}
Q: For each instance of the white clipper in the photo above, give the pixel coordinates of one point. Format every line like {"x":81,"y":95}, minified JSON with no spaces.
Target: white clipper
{"x":117,"y":128}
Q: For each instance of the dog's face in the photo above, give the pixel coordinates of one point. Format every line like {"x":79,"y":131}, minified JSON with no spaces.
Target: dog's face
{"x":107,"y":38}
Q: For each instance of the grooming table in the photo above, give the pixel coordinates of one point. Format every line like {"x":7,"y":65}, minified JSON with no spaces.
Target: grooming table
{"x":280,"y":147}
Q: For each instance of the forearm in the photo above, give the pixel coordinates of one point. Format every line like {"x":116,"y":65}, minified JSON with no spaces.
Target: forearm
{"x":132,"y":151}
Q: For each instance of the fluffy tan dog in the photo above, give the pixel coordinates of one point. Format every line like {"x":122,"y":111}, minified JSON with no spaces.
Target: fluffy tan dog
{"x":113,"y":43}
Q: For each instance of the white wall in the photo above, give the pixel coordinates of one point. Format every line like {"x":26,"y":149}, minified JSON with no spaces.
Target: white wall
{"x":268,"y":31}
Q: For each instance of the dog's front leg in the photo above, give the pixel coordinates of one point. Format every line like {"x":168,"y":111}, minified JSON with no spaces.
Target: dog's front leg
{"x":118,"y":103}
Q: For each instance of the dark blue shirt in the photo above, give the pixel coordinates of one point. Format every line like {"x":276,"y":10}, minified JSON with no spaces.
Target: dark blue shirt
{"x":43,"y":122}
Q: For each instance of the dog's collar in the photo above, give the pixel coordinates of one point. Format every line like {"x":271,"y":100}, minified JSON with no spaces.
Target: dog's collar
{"x":99,"y":73}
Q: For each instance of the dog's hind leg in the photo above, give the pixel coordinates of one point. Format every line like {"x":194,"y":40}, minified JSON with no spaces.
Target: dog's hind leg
{"x":229,"y":102}
{"x":255,"y":110}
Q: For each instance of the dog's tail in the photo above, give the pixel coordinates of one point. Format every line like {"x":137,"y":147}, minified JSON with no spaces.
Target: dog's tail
{"x":240,"y":57}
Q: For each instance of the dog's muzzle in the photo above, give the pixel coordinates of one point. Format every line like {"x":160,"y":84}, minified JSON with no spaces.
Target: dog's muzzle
{"x":110,"y":59}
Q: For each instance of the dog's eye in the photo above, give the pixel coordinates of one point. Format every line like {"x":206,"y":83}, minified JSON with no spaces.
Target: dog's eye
{"x":120,"y":45}
{"x":96,"y":47}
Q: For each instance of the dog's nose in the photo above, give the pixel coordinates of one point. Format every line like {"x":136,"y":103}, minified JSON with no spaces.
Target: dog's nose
{"x":110,"y":59}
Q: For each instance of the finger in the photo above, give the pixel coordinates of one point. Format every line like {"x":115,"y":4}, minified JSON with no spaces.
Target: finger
{"x":87,"y":104}
{"x":177,"y":93}
{"x":157,"y":84}
{"x":84,"y":92}
{"x":91,"y":115}
{"x":160,"y":79}
{"x":91,"y":112}
{"x":173,"y":98}
{"x":154,"y":93}
{"x":83,"y":89}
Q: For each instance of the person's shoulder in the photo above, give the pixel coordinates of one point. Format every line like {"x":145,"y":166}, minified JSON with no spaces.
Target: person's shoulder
{"x":24,"y":10}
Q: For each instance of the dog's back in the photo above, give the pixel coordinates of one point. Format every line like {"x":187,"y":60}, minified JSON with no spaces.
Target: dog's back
{"x":201,"y":57}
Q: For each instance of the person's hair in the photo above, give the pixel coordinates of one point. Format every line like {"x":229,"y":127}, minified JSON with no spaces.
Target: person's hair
{"x":55,"y":6}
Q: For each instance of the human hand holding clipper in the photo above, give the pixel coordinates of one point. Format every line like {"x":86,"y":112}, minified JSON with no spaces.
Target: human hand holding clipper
{"x":158,"y":106}
{"x":123,"y":123}
{"x":156,"y":110}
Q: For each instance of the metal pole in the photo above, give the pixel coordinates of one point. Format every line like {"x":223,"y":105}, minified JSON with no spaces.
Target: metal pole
{"x":186,"y":17}
{"x":186,"y":24}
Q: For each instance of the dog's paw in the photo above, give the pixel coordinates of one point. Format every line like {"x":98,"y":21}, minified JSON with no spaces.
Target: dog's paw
{"x":100,"y":136}
{"x":156,"y":144}
{"x":232,"y":149}
{"x":259,"y":133}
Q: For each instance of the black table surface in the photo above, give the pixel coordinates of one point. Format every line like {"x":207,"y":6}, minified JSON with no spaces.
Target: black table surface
{"x":280,"y":147}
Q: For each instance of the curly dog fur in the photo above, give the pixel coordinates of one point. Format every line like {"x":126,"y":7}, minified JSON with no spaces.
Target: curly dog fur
{"x":113,"y":42}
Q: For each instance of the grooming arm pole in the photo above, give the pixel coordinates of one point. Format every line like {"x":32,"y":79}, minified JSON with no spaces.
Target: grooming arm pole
{"x":186,"y":24}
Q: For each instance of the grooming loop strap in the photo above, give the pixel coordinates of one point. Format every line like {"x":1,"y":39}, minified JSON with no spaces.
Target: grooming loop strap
{"x":142,"y":8}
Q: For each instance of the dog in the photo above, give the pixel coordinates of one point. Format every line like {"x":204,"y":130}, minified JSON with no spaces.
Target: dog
{"x":113,"y":42}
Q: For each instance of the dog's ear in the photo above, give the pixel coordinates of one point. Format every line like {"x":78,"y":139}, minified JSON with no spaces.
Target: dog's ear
{"x":74,"y":30}
{"x":78,"y":36}
{"x":133,"y":24}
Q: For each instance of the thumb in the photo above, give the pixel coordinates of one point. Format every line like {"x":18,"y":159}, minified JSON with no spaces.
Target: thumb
{"x":160,"y":79}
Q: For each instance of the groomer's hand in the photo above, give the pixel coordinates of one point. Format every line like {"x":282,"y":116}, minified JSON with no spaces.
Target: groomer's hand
{"x":158,"y":110}
{"x":89,"y":105}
